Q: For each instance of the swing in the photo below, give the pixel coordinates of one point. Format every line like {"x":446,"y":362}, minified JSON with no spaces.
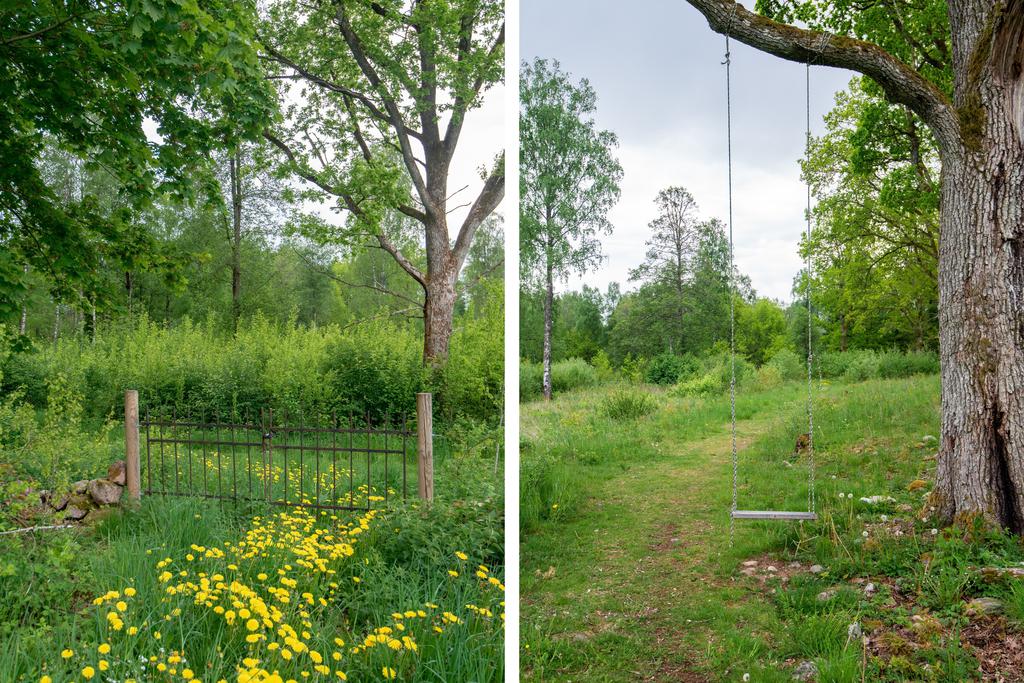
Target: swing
{"x":735,"y":513}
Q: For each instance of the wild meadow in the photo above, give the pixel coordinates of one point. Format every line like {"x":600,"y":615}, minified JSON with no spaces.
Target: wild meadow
{"x":189,"y":589}
{"x":630,"y":569}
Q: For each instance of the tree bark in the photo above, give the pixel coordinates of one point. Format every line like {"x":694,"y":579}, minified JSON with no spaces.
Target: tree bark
{"x":549,"y":301}
{"x":236,"y":241}
{"x":981,"y":237}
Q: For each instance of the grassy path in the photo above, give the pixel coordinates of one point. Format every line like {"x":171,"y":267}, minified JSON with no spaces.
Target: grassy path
{"x":632,"y":587}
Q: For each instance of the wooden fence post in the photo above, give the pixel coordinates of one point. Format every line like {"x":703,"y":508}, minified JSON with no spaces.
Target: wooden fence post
{"x":133,"y":479}
{"x":425,"y":445}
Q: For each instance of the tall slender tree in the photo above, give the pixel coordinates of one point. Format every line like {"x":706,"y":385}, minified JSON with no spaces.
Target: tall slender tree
{"x":975,"y":111}
{"x":569,"y":179}
{"x":385,"y":88}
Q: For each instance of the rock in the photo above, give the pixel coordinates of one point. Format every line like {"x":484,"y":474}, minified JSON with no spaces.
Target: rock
{"x":78,"y":507}
{"x":917,"y":484}
{"x":870,"y":589}
{"x":45,"y":497}
{"x":61,"y":503}
{"x":805,"y":671}
{"x":771,"y":569}
{"x":104,"y":492}
{"x":853,"y":632}
{"x":750,"y":563}
{"x":993,"y":574}
{"x":877,"y":500}
{"x":116,"y":472}
{"x":816,"y":569}
{"x":827,"y":594}
{"x":984,"y":606}
{"x":80,"y":486}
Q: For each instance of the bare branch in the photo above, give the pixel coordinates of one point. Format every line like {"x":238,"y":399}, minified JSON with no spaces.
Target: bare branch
{"x":490,"y":196}
{"x":405,"y":263}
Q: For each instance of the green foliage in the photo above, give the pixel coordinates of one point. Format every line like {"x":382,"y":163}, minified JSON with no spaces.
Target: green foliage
{"x":668,"y":368}
{"x":628,"y":404}
{"x":789,"y":365}
{"x":192,"y":69}
{"x":198,"y":369}
{"x":566,"y":375}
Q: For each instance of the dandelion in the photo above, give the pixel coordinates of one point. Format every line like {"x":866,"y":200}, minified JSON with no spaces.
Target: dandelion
{"x":187,"y":674}
{"x":130,"y":592}
{"x":45,"y":679}
{"x":88,"y":672}
{"x":103,"y":665}
{"x":67,"y":654}
{"x":104,"y":648}
{"x":461,"y":555}
{"x":452,"y":572}
{"x":388,"y":672}
{"x":934,"y":532}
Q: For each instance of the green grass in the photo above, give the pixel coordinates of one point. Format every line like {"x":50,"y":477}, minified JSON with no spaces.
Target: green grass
{"x":51,"y":581}
{"x":627,"y":567}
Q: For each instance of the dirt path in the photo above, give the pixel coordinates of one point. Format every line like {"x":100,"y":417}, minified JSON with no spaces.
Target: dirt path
{"x":648,"y":569}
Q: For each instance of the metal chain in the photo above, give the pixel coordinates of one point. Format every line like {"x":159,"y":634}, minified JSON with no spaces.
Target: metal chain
{"x":810,"y":352}
{"x":732,"y":293}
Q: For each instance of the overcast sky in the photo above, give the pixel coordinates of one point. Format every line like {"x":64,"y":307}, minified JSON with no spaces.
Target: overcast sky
{"x":661,"y":88}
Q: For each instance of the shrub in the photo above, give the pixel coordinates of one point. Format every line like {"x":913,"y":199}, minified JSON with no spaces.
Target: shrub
{"x":863,"y":366}
{"x":628,"y":404}
{"x":603,"y":365}
{"x":768,"y":377}
{"x":789,"y":365}
{"x":668,"y":368}
{"x":572,"y":374}
{"x":199,"y":369}
{"x":892,"y":364}
{"x":531,"y":380}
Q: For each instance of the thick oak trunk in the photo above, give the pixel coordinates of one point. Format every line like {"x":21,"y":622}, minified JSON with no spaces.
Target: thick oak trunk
{"x":981,"y":281}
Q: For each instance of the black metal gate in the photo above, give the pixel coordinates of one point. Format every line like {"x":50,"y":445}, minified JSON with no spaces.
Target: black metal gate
{"x":348,"y":464}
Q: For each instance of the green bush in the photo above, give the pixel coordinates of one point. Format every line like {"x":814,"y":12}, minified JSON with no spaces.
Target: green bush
{"x":789,"y":365}
{"x":198,"y":369}
{"x":669,"y":368}
{"x":892,"y":364}
{"x":628,"y":404}
{"x":531,"y":380}
{"x":862,"y":366}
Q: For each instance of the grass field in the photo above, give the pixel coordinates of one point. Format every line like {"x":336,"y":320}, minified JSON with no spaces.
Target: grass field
{"x":628,"y":572}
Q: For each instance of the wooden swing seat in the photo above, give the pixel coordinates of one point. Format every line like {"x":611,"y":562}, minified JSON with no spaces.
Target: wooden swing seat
{"x":774,"y":514}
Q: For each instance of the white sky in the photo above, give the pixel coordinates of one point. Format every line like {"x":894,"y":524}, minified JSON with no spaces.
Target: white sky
{"x":661,"y":88}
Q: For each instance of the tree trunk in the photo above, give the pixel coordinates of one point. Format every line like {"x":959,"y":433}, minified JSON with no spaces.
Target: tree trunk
{"x":23,"y":323}
{"x":236,"y":242}
{"x":842,"y":332}
{"x":549,"y":300}
{"x":981,"y":334}
{"x":981,"y":276}
{"x":438,"y":313}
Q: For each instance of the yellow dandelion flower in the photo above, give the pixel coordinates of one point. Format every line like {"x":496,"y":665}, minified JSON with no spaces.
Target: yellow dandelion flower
{"x":67,"y":654}
{"x":104,"y":648}
{"x":103,"y":665}
{"x":88,"y":672}
{"x":45,"y":679}
{"x":130,"y":592}
{"x":187,"y":674}
{"x":461,"y":555}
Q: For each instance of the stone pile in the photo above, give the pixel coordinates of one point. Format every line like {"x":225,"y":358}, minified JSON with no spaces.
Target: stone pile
{"x":89,"y":495}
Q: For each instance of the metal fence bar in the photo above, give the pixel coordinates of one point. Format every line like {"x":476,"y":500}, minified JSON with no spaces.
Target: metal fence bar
{"x":202,"y":438}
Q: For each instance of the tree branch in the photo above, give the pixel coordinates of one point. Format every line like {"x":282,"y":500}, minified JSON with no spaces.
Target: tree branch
{"x":901,"y":83}
{"x":405,"y":263}
{"x":461,"y":104}
{"x":355,"y":46}
{"x":490,"y":196}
